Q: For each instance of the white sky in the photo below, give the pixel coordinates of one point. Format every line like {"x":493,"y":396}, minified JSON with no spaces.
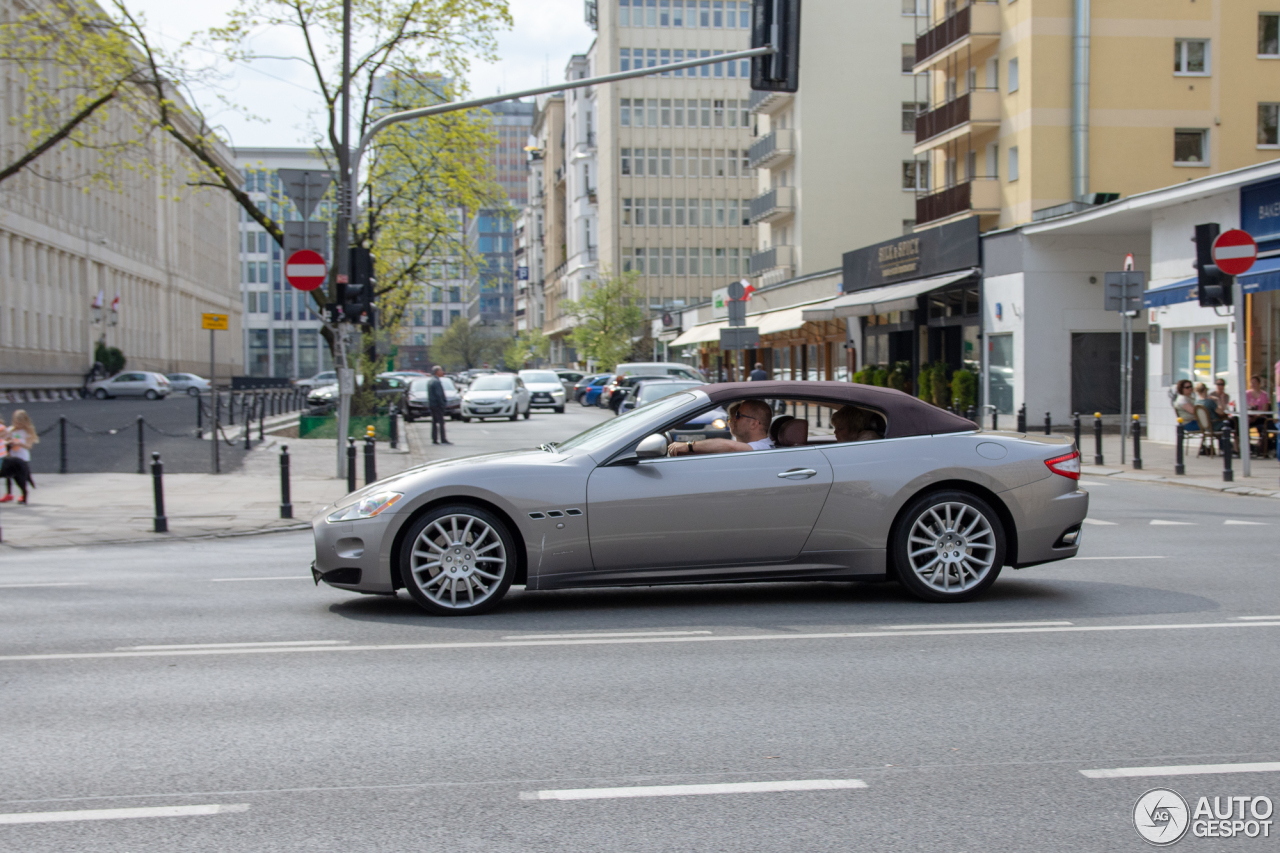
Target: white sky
{"x":545,"y":35}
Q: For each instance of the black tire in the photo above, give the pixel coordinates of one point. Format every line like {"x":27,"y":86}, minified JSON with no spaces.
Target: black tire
{"x":151,"y":395}
{"x":465,"y":420}
{"x":944,"y":555}
{"x":193,"y":391}
{"x":559,"y":410}
{"x":101,"y":393}
{"x":416,"y":569}
{"x":515,"y":413}
{"x":527,"y":412}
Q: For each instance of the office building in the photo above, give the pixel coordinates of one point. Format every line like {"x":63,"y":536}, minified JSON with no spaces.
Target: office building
{"x":542,"y":236}
{"x":491,"y":232}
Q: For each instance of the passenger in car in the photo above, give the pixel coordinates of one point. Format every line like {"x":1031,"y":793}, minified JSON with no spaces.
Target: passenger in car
{"x":748,"y":424}
{"x":853,"y":424}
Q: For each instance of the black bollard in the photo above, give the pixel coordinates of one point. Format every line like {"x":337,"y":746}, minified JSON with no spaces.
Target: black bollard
{"x":217,"y":407}
{"x":141,"y":449}
{"x":1075,"y":425}
{"x":1228,"y":475}
{"x":231,"y":408}
{"x":157,"y":481}
{"x":246,"y":410}
{"x":370,"y":465}
{"x":995,"y":419}
{"x":351,"y":464}
{"x":1178,"y":466}
{"x":1048,"y":424}
{"x":62,"y":444}
{"x":1137,"y":443}
{"x":199,"y":417}
{"x":1097,"y":438}
{"x":262,"y":409}
{"x":1022,"y":418}
{"x":971,"y":414}
{"x":286,"y":508}
{"x":395,"y":431}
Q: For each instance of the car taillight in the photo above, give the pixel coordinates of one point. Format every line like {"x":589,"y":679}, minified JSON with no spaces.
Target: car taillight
{"x":1066,"y":466}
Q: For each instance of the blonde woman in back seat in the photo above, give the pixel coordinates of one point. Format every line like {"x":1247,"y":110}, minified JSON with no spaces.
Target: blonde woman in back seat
{"x":853,"y":424}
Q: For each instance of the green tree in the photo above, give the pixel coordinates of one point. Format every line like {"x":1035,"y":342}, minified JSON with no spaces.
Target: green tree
{"x":525,"y":348}
{"x":464,"y":346}
{"x":609,"y":318}
{"x":964,"y":389}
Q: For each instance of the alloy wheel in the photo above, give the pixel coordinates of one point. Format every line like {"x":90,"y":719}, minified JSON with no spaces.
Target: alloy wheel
{"x":951,"y":547}
{"x":458,"y":561}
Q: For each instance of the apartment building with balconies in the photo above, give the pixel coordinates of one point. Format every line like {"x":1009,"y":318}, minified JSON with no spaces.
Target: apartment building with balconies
{"x":539,"y":296}
{"x":1034,"y":108}
{"x":834,"y":160}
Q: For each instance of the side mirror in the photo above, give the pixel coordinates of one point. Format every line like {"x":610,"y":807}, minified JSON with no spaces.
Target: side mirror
{"x":652,"y":446}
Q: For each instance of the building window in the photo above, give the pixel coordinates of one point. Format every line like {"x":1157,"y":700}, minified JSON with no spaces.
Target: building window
{"x":666,"y":162}
{"x":653,"y":211}
{"x":666,"y":261}
{"x":626,"y":161}
{"x":706,"y":214}
{"x":419,"y":317}
{"x":679,"y":216}
{"x":1190,"y":146}
{"x":1269,"y":35}
{"x":1013,"y":164}
{"x":664,"y":13}
{"x":624,"y":59}
{"x":653,"y":162}
{"x":911,"y":109}
{"x":1268,"y":114}
{"x":651,"y":13}
{"x":666,"y":213}
{"x":915,"y":175}
{"x":624,"y":112}
{"x":680,"y":261}
{"x":677,"y":15}
{"x":908,"y":58}
{"x":653,"y":112}
{"x":1191,"y":57}
{"x":733,"y":262}
{"x":908,"y":226}
{"x":437,"y":316}
{"x":259,"y":354}
{"x":624,"y":13}
{"x":626,"y":211}
{"x":915,"y":8}
{"x":746,"y":211}
{"x":1011,"y":71}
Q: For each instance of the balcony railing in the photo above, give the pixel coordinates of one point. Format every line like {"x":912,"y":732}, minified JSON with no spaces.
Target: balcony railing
{"x":981,"y":195}
{"x":769,"y":259}
{"x":766,"y":102}
{"x":773,"y":148}
{"x":977,"y":18}
{"x":593,"y":254}
{"x":774,"y":204}
{"x":978,"y":105}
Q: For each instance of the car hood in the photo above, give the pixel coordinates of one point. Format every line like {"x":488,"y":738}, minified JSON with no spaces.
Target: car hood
{"x":455,"y":470}
{"x":544,"y":386}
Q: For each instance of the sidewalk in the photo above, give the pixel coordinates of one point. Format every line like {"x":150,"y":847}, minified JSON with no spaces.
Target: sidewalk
{"x":1203,"y":472}
{"x":84,"y":509}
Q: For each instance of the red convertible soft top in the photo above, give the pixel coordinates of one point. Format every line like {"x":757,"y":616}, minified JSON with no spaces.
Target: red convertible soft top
{"x":905,"y":414}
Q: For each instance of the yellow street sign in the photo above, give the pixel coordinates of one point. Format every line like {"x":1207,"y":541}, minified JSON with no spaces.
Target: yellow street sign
{"x":214,"y":321}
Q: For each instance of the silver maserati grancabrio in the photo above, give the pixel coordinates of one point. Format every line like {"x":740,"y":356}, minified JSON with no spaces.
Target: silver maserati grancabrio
{"x":926,"y":499}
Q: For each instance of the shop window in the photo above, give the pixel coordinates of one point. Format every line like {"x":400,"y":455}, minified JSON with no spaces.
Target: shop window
{"x":1000,"y":372}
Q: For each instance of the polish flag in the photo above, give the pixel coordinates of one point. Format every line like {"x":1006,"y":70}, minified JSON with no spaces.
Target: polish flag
{"x":747,"y":290}
{"x":97,"y":300}
{"x":115,"y":303}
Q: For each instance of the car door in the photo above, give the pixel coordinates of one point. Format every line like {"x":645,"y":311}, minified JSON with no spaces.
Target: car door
{"x":745,"y":508}
{"x":128,"y":385}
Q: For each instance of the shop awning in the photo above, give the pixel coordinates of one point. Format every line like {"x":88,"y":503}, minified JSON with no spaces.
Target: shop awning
{"x":701,"y":334}
{"x":891,"y":297}
{"x":1265,"y":275}
{"x":1172,"y":294}
{"x":786,"y":319}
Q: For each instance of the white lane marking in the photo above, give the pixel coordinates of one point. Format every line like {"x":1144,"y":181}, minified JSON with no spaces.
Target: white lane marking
{"x":1143,"y":557}
{"x":231,"y":645}
{"x":1099,"y":522}
{"x":280,"y":578}
{"x":1092,"y":483}
{"x":121,"y":814}
{"x":694,"y":790}
{"x":973,"y":625}
{"x":1183,"y":770}
{"x":1255,"y":618}
{"x":1233,"y":521}
{"x":27,"y":585}
{"x":593,"y":636}
{"x":729,"y":638}
{"x":1162,"y":523}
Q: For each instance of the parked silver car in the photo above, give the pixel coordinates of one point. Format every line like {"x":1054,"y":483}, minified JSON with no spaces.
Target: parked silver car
{"x":132,"y":383}
{"x":937,"y":504}
{"x":495,"y":395}
{"x":188,"y":383}
{"x":545,"y":389}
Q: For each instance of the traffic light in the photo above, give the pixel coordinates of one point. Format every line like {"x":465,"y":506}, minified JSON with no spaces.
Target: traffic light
{"x":358,"y":294}
{"x":1215,"y":285}
{"x":777,"y":23}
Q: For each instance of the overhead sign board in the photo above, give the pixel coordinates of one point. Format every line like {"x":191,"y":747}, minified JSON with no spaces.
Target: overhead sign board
{"x":1234,"y":252}
{"x":214,"y":322}
{"x":305,"y":187}
{"x":305,"y":270}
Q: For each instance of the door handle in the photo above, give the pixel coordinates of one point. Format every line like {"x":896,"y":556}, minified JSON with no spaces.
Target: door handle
{"x":798,"y":474}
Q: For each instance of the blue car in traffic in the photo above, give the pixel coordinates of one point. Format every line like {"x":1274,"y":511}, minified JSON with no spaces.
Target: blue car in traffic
{"x":592,"y":397}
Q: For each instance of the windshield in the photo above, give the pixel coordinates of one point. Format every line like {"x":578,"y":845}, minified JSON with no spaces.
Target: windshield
{"x":540,"y":376}
{"x":419,"y":386}
{"x":493,"y":383}
{"x":633,"y":421}
{"x":658,"y":390}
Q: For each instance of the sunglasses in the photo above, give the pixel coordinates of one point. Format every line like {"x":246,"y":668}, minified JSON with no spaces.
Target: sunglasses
{"x":739,"y":415}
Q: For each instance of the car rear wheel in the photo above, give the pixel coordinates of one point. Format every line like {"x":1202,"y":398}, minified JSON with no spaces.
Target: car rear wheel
{"x":559,"y":410}
{"x":151,"y":395}
{"x":193,"y":391}
{"x":101,"y":394}
{"x":949,"y":546}
{"x":458,"y":561}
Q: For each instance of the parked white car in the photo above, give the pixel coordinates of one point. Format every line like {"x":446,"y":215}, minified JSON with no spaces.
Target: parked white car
{"x":189,"y":383}
{"x":326,"y":377}
{"x":545,"y":389}
{"x":660,"y":368}
{"x":132,"y":383}
{"x":500,"y":395}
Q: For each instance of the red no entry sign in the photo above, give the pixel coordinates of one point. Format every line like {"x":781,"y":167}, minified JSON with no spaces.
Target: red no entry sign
{"x":305,"y":269}
{"x":1234,"y":252}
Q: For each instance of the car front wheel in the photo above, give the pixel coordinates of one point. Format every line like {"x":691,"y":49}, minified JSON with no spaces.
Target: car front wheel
{"x":948,"y":546}
{"x":466,"y":420}
{"x":151,"y":395}
{"x":458,"y":561}
{"x":193,"y":392}
{"x":101,"y":394}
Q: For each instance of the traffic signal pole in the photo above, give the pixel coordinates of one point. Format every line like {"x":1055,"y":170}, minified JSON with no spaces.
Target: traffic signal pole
{"x":1242,"y":371}
{"x":342,"y":263}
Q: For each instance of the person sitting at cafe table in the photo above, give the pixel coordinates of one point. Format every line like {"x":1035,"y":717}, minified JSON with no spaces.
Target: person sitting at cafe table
{"x":1216,"y":418}
{"x":1220,"y":396}
{"x":1185,"y":404}
{"x":1259,"y":401}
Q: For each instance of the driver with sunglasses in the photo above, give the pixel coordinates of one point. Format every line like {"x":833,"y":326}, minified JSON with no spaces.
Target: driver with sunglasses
{"x":748,"y":424}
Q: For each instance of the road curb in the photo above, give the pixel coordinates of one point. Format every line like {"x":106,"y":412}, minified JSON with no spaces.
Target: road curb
{"x":161,"y":537}
{"x":1134,"y":477}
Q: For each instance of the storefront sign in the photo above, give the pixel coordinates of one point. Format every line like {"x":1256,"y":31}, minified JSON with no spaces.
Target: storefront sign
{"x":1260,"y":210}
{"x":925,"y":253}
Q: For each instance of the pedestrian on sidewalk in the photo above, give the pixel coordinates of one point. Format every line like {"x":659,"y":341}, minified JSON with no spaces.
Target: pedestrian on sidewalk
{"x":16,"y":465}
{"x":758,"y":375}
{"x":437,"y":403}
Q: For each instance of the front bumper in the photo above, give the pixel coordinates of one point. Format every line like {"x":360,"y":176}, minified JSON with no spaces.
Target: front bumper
{"x":348,"y":553}
{"x":499,"y":410}
{"x":548,"y":402}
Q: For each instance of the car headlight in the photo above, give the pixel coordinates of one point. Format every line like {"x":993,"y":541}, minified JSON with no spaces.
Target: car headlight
{"x":559,"y":392}
{"x":718,"y":423}
{"x":508,"y":397}
{"x":367,"y":507}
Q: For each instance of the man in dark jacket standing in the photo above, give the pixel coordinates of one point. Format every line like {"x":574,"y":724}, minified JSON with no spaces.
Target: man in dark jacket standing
{"x":758,"y":375}
{"x":437,"y":403}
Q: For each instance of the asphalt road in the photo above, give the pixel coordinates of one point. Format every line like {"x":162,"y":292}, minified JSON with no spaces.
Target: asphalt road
{"x":438,"y":734}
{"x":102,"y":435}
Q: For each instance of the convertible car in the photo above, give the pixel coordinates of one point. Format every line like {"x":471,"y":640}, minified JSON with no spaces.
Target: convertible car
{"x":933,"y":502}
